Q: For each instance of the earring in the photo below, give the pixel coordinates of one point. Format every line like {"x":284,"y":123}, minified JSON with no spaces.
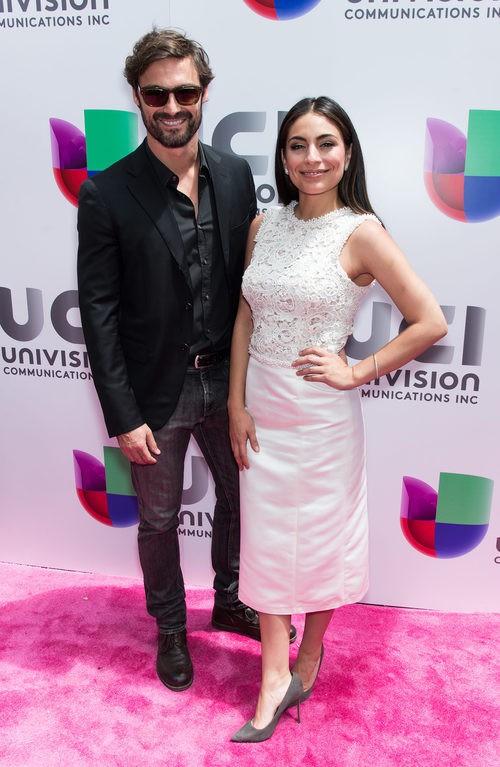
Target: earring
{"x":345,"y":168}
{"x":286,"y":171}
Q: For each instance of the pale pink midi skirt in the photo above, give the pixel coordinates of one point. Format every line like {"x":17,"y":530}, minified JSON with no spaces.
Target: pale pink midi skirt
{"x":304,"y":527}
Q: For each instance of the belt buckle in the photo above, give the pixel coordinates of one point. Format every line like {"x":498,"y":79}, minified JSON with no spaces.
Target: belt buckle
{"x":198,"y":361}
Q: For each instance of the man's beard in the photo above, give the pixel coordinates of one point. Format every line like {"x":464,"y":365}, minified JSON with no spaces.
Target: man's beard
{"x":173,"y":138}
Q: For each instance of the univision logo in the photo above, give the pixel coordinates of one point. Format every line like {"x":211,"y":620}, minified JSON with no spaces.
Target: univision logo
{"x":448,"y":523}
{"x":281,"y":10}
{"x":106,"y":492}
{"x":110,"y":134}
{"x":462,"y":174}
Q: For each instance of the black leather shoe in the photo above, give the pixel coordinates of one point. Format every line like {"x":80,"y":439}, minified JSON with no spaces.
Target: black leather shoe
{"x":173,"y":662}
{"x":243,"y":621}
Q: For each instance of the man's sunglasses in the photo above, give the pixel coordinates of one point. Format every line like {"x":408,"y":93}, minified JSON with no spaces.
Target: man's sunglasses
{"x":185,"y":95}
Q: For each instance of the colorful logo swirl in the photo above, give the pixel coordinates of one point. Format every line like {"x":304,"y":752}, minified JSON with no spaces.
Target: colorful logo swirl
{"x":462,"y":174}
{"x":110,"y":134}
{"x":281,"y":10}
{"x":448,"y":523}
{"x":105,"y":490}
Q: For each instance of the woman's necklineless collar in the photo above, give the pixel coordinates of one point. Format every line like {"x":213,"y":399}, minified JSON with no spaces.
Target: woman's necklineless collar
{"x":318,"y":217}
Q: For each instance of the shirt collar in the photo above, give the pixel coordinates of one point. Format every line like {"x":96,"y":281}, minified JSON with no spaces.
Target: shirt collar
{"x":168,"y":177}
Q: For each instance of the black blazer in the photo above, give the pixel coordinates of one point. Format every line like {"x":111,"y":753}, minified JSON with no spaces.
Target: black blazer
{"x":135,"y":299}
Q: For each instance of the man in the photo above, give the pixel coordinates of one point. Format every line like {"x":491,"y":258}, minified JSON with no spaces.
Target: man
{"x":162,"y":237}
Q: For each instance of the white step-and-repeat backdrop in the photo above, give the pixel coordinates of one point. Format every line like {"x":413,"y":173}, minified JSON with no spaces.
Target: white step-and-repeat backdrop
{"x":419,"y":79}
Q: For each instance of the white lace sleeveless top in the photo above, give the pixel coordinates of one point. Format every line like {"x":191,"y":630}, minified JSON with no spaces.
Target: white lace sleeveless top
{"x":297,"y":290}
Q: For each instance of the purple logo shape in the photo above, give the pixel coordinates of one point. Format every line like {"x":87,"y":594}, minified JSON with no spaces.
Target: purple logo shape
{"x":69,"y":157}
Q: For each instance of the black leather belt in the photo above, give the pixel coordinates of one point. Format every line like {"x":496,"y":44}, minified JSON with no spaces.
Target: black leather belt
{"x":207,"y":360}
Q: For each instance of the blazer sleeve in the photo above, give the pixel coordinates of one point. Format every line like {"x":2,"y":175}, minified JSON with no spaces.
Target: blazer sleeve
{"x":99,"y":282}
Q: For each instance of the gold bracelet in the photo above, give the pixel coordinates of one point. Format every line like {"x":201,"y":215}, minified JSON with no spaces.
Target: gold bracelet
{"x":377,"y":375}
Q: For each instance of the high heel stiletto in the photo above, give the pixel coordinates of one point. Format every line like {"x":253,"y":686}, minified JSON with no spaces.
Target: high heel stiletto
{"x":250,"y":734}
{"x":306,"y":694}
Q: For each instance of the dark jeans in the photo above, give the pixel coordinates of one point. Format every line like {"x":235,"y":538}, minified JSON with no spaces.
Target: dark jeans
{"x":201,"y":412}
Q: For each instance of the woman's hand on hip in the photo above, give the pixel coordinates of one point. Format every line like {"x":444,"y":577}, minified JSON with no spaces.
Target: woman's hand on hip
{"x":319,"y":365}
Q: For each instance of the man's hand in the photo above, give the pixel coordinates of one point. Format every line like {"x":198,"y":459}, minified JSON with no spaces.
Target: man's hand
{"x":139,"y":445}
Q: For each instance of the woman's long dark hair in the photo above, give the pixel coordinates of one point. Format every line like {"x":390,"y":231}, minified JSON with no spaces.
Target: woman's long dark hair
{"x":352,"y":187}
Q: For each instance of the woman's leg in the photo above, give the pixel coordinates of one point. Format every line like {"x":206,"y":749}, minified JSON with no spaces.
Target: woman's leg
{"x":276,"y":677}
{"x":307,"y":663}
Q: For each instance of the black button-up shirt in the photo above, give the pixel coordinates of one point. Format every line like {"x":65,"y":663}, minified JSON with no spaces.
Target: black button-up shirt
{"x":200,"y":235}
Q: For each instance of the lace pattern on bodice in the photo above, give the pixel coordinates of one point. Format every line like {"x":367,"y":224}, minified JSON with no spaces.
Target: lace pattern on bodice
{"x":298,"y":292}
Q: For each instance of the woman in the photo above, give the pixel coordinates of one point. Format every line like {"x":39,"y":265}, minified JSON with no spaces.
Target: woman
{"x":293,"y":396}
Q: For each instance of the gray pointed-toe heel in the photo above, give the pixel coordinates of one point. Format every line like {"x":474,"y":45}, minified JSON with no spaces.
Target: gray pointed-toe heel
{"x":250,"y":734}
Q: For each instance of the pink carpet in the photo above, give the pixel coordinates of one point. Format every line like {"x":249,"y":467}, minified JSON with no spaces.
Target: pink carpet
{"x":78,"y":688}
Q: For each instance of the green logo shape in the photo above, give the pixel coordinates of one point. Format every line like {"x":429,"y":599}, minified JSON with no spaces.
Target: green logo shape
{"x":117,"y":468}
{"x":110,"y":135}
{"x":464,"y":499}
{"x":483,"y":143}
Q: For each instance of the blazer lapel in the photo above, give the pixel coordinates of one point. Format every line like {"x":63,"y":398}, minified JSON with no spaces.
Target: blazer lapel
{"x":145,"y":188}
{"x":222,"y":195}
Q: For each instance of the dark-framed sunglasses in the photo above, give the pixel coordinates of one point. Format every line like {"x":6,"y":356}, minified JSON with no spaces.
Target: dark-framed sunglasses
{"x":185,"y":95}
